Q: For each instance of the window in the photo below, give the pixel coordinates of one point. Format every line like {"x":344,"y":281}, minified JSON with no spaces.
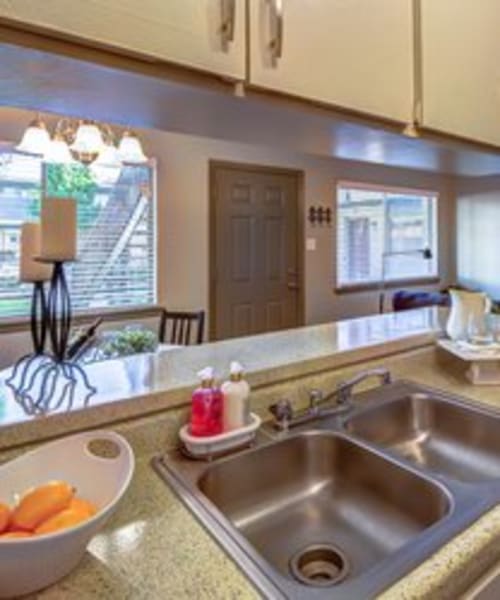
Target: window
{"x":116,"y":231}
{"x":385,"y":234}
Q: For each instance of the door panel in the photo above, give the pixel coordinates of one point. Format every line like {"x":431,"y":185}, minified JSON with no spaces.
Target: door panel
{"x":355,"y":54}
{"x":255,"y":256}
{"x":274,"y":315}
{"x":243,"y":319}
{"x":275,"y":256}
{"x":187,"y":32}
{"x":242,"y":241}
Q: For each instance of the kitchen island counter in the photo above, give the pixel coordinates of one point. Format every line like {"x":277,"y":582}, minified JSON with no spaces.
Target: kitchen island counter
{"x":147,"y":383}
{"x":154,"y":548}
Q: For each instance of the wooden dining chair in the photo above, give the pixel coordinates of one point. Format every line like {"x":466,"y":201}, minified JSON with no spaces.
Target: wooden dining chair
{"x":182,"y":328}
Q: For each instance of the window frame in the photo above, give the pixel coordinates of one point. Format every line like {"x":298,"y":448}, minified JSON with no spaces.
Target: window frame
{"x":118,"y":313}
{"x":373,"y":285}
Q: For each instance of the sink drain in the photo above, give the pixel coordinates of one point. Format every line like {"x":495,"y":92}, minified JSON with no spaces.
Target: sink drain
{"x":320,"y":565}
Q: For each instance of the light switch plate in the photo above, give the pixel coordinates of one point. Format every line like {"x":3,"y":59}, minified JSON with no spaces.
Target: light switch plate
{"x":311,"y":244}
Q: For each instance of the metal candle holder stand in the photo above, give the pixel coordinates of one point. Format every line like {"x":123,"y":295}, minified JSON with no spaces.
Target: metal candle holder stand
{"x":35,"y":377}
{"x":38,"y":322}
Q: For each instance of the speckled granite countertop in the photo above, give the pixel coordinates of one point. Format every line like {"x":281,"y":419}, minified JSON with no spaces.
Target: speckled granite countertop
{"x":155,"y":549}
{"x":152,"y":549}
{"x":147,"y":383}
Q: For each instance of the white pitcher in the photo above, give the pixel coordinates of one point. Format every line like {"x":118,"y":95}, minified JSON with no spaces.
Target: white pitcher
{"x":468,"y":310}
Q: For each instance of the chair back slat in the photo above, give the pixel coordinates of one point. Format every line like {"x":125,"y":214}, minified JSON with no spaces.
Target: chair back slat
{"x":180,"y":337}
{"x":181,"y":326}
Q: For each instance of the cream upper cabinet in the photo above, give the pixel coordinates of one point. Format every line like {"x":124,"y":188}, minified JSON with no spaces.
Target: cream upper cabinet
{"x":204,"y":34}
{"x":355,"y":54}
{"x":461,"y":68}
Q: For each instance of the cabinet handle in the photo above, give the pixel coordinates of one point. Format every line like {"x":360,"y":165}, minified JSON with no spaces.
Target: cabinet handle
{"x":276,"y":41}
{"x":228,"y":14}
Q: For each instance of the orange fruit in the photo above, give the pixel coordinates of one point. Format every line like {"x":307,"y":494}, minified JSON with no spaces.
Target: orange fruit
{"x":13,"y":527}
{"x":83,"y":506}
{"x":11,"y":535}
{"x":65,"y":519}
{"x":5,"y":514}
{"x":40,"y":503}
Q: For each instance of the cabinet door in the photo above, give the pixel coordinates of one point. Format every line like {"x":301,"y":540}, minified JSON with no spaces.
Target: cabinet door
{"x":355,"y":54}
{"x":488,"y":586}
{"x":187,"y":32}
{"x":461,"y":68}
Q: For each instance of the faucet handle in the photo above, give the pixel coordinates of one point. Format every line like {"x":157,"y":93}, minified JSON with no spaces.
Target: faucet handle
{"x":385,"y":376}
{"x":282,"y":412}
{"x":315,"y":397}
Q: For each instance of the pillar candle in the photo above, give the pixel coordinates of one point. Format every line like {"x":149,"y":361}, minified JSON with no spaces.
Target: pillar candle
{"x":31,"y":270}
{"x":58,"y":220}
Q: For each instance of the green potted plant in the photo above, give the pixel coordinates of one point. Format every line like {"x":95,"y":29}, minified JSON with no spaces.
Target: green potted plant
{"x":131,"y":340}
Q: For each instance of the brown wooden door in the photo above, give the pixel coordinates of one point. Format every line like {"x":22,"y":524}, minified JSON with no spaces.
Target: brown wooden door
{"x":255,"y":263}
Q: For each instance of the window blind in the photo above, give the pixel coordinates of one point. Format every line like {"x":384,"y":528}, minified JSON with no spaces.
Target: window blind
{"x":116,"y":232}
{"x":380,"y":233}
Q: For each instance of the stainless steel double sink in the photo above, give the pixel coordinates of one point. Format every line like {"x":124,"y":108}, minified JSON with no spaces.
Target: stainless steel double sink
{"x":345,"y":506}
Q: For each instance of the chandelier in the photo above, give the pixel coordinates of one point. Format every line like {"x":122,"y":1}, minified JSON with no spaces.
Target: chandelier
{"x":83,"y":141}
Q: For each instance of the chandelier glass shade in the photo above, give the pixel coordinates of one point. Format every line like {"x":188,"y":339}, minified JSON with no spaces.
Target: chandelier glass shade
{"x":88,"y":140}
{"x":108,"y":156}
{"x":107,"y":166}
{"x":36,"y":138}
{"x":58,"y":152}
{"x":130,"y":149}
{"x":84,"y":141}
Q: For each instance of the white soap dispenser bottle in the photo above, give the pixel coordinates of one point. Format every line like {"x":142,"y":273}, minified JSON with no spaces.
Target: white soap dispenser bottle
{"x":236,"y":393}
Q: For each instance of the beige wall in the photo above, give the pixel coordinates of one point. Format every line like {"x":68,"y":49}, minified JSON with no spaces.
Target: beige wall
{"x":183,"y":197}
{"x":183,"y":218}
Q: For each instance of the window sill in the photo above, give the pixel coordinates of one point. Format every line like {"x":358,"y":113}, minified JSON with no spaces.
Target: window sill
{"x":388,"y":285}
{"x":17,"y":325}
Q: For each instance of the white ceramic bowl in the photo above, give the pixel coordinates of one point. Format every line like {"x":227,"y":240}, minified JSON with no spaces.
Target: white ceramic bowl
{"x":30,"y":564}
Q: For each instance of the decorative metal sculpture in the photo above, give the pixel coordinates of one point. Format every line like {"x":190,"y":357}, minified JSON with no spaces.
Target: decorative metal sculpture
{"x":42,"y":381}
{"x":319,"y":215}
{"x":38,"y":322}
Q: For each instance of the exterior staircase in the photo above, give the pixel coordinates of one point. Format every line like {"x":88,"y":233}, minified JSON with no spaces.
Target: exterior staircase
{"x":102,"y":247}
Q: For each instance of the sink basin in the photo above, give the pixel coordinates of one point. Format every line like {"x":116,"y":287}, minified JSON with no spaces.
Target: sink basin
{"x":342,"y":507}
{"x":322,"y":490}
{"x":440,"y":435}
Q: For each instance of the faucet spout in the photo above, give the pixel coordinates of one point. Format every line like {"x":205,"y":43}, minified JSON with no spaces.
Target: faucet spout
{"x":344,"y":390}
{"x":283,"y":413}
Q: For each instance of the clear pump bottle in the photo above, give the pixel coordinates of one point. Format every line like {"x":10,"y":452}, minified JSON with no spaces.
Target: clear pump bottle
{"x":236,"y":393}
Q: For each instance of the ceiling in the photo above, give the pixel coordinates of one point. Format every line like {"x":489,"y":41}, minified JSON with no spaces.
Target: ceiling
{"x":40,"y":80}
